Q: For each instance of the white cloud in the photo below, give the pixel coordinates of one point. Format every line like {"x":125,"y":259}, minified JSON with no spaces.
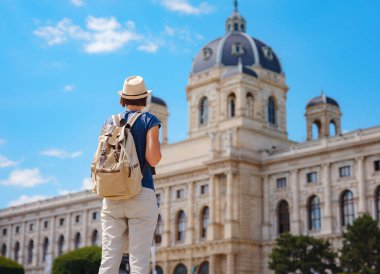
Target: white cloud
{"x":62,"y":154}
{"x":77,"y":3}
{"x":5,"y":162}
{"x":101,"y":34}
{"x":24,"y":199}
{"x":87,"y":183}
{"x":69,"y":88}
{"x":26,"y":178}
{"x":184,"y":7}
{"x":150,"y":47}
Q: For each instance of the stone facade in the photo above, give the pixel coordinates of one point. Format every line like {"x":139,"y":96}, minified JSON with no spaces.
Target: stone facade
{"x":235,"y":184}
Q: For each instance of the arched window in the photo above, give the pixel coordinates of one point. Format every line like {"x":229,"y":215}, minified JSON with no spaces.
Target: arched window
{"x":181,"y":226}
{"x":204,"y":221}
{"x":332,"y":128}
{"x":314,"y":213}
{"x":316,"y":129}
{"x":3,"y":250}
{"x":159,"y":270}
{"x":180,"y":269}
{"x":45,"y":248}
{"x":283,"y":217}
{"x":77,"y":240}
{"x":95,"y":237}
{"x":271,"y":110}
{"x":16,"y":251}
{"x":158,"y":231}
{"x":61,"y":244}
{"x":347,"y":208}
{"x":30,"y":252}
{"x":377,"y":199}
{"x":203,"y":268}
{"x":249,"y":106}
{"x":231,"y":105}
{"x":203,"y":111}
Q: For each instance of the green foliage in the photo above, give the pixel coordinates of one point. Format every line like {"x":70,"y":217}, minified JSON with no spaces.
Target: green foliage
{"x":361,"y":246}
{"x":85,"y":260}
{"x":10,"y":267}
{"x":303,"y":254}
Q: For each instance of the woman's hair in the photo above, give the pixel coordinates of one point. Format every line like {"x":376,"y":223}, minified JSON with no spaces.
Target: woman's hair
{"x":136,"y":102}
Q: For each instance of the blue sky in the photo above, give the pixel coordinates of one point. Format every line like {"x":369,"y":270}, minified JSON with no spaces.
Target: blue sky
{"x":63,"y":61}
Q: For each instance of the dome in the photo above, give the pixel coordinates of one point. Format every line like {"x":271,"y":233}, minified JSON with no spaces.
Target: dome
{"x":158,"y":101}
{"x":234,"y":47}
{"x":322,"y":99}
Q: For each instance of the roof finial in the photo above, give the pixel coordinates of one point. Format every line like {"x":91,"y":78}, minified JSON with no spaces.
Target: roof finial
{"x":235,"y":6}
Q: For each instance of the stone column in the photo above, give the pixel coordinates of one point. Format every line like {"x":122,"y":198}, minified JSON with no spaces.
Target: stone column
{"x":266,"y":204}
{"x":212,"y":222}
{"x":190,"y":219}
{"x":295,"y":223}
{"x":231,"y":264}
{"x":166,"y":266}
{"x":228,"y":226}
{"x":23,"y":244}
{"x":362,"y":207}
{"x":166,"y":217}
{"x":53,"y":240}
{"x":328,"y":216}
{"x":68,"y":232}
{"x":10,"y":243}
{"x":38,"y":246}
{"x":212,"y":264}
{"x":85,"y":230}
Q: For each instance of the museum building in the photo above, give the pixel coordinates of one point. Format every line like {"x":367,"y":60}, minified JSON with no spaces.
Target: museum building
{"x":236,"y":183}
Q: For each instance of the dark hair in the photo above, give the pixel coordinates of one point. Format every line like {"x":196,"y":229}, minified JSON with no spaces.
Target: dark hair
{"x":135,"y":102}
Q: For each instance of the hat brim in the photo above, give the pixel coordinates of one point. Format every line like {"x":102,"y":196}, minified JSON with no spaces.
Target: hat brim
{"x":134,"y":97}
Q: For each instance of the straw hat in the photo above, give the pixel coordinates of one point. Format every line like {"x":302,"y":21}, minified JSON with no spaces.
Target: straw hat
{"x":134,"y":88}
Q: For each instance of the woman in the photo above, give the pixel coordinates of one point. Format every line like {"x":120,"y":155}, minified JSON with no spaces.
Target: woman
{"x":132,"y":222}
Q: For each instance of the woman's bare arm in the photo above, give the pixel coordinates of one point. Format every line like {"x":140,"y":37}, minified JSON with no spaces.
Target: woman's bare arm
{"x":153,"y":150}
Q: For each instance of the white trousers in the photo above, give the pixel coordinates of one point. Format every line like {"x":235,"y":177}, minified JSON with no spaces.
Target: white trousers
{"x":131,"y":224}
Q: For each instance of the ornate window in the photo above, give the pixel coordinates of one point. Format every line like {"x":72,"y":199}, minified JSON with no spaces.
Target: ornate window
{"x":311,"y":177}
{"x":204,"y":222}
{"x":207,"y":52}
{"x":344,"y":171}
{"x":203,"y":111}
{"x":283,"y":217}
{"x":314,"y":213}
{"x":181,"y":226}
{"x":281,"y":182}
{"x":3,"y":250}
{"x":237,"y":49}
{"x":249,"y":106}
{"x":203,"y":268}
{"x":16,"y":251}
{"x":30,"y":252}
{"x":347,"y":208}
{"x":231,"y":106}
{"x":180,"y":269}
{"x":376,"y":165}
{"x":271,"y":110}
{"x":61,"y":244}
{"x":95,"y":237}
{"x":159,"y":270}
{"x":268,"y":53}
{"x":377,"y":199}
{"x":77,"y":240}
{"x":158,"y":231}
{"x":45,"y":248}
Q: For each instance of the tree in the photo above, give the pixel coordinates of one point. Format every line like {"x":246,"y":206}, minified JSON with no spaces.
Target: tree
{"x":361,"y":246}
{"x":10,"y":267}
{"x":302,"y":254}
{"x":85,"y":260}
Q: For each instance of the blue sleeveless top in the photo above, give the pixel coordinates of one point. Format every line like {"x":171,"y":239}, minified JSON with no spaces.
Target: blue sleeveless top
{"x":139,"y":130}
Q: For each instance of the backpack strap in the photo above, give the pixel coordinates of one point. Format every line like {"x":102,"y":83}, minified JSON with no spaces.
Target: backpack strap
{"x":133,"y":119}
{"x":116,"y":120}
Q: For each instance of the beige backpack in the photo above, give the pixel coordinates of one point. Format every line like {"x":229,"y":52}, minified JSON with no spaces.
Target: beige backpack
{"x":115,"y":169}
